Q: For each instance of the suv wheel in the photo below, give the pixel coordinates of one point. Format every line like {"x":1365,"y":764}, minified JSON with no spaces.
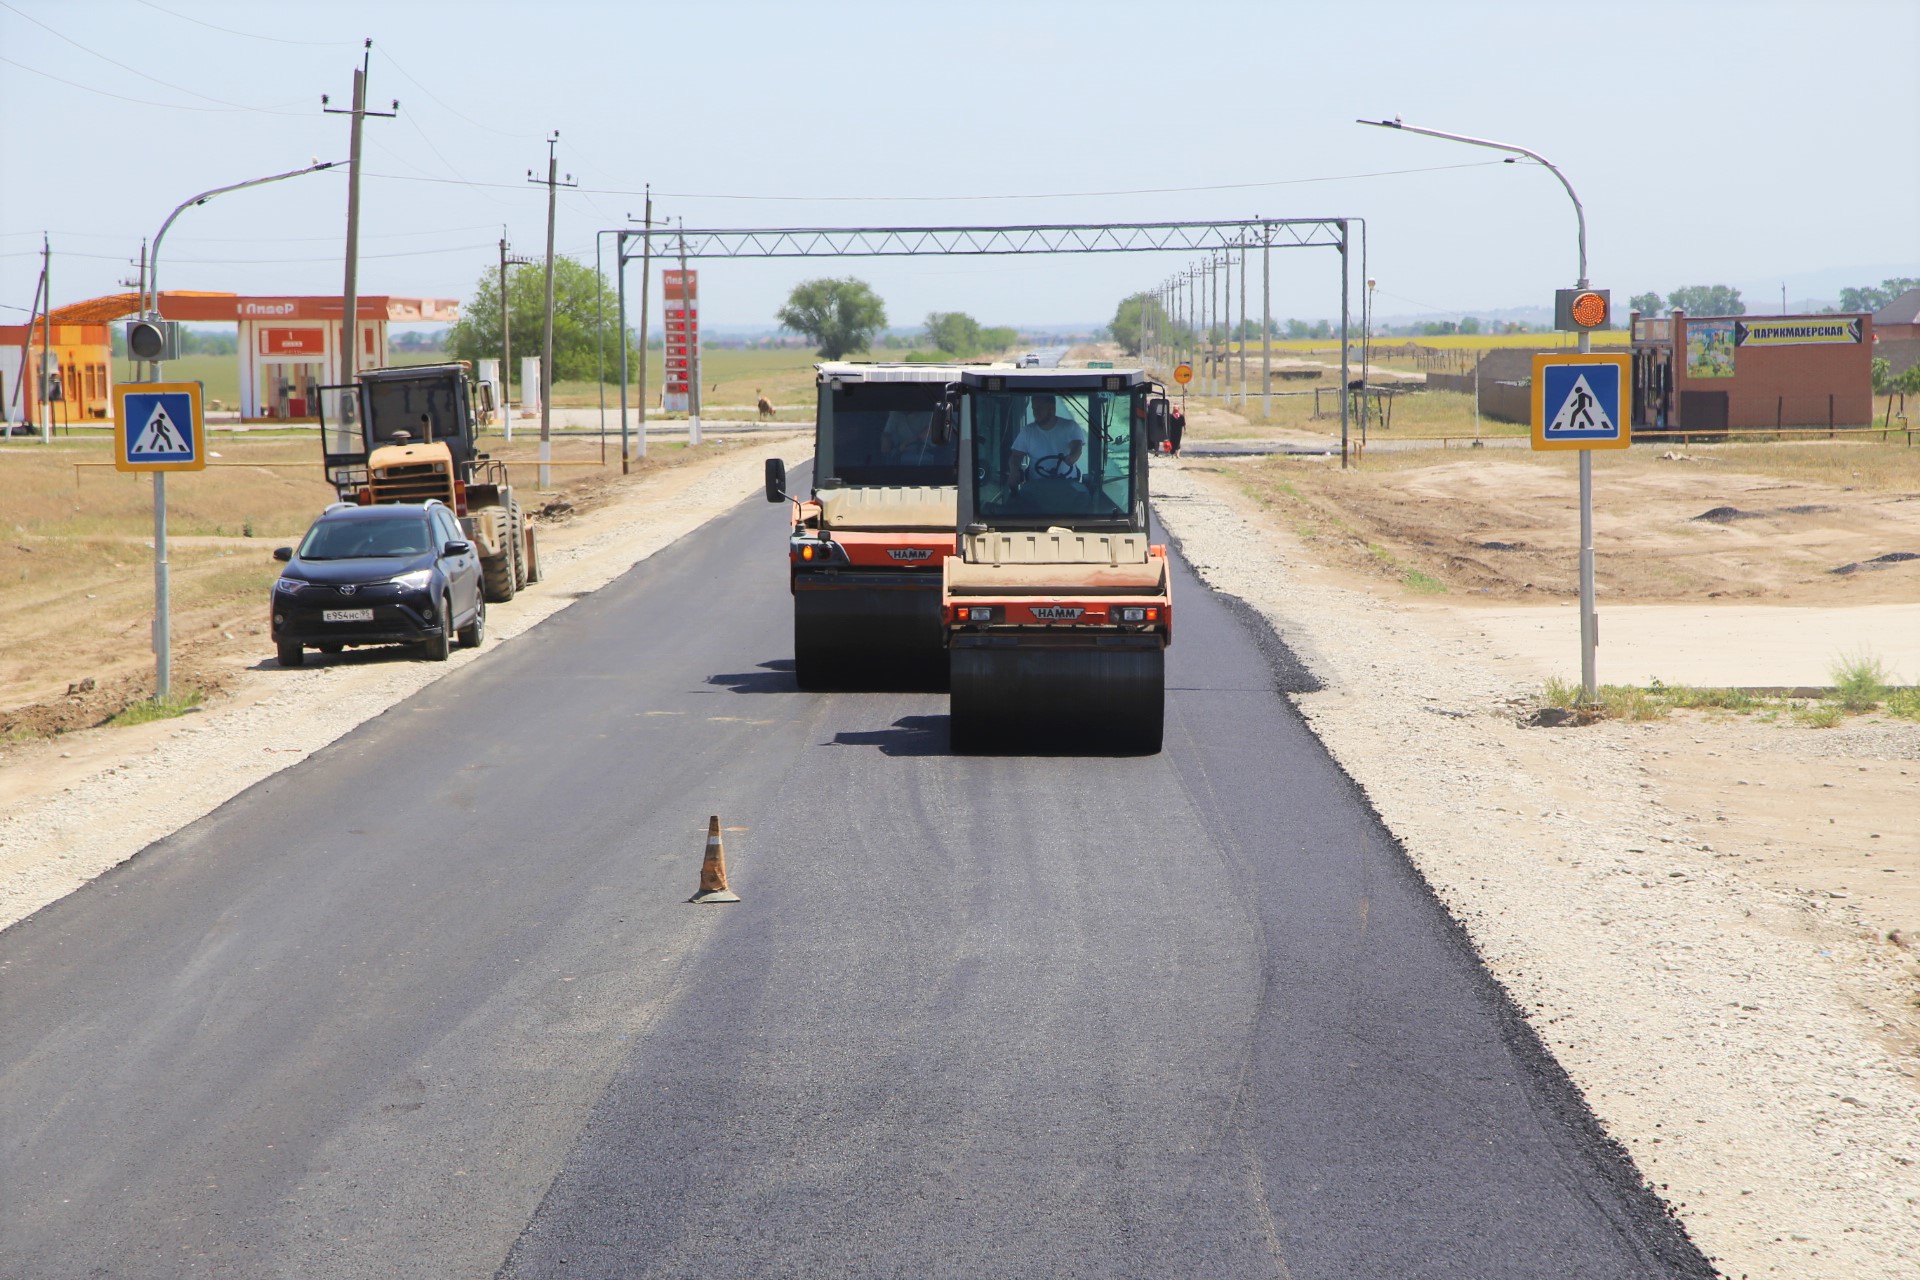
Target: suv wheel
{"x":290,"y":655}
{"x":476,"y":630}
{"x":440,"y":644}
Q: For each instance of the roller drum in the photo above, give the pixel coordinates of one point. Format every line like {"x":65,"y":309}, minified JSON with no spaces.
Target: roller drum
{"x":1097,"y":701}
{"x":850,"y":638}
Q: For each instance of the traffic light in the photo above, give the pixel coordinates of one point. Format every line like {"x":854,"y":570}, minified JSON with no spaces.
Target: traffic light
{"x":1576,"y":310}
{"x":153,"y":339}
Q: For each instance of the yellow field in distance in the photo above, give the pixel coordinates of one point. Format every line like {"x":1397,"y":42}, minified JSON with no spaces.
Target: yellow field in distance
{"x":1452,"y":341}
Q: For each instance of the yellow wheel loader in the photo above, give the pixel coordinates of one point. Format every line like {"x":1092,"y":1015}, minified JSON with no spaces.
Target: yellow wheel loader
{"x":407,"y":434}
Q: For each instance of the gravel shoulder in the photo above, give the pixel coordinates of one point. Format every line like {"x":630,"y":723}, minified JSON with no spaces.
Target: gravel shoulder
{"x":1750,"y":1040}
{"x":74,"y":806}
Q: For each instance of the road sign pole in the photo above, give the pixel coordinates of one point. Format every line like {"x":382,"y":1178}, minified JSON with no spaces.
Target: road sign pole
{"x":1589,"y":614}
{"x":1345,"y":394}
{"x":162,"y":601}
{"x":620,"y":265}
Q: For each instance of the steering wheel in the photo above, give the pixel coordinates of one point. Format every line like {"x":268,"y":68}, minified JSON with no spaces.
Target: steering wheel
{"x":1055,"y":466}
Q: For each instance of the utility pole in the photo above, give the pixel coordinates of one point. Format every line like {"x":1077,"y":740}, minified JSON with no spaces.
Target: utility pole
{"x":350,"y":295}
{"x":1226,"y":320}
{"x":1266,"y":321}
{"x":44,"y":385}
{"x":506,"y":334}
{"x":1243,"y":330}
{"x":546,"y":343}
{"x":1213,"y":320}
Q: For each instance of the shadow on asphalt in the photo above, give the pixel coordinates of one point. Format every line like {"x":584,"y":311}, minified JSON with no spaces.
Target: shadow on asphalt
{"x":773,"y":677}
{"x":909,"y":736}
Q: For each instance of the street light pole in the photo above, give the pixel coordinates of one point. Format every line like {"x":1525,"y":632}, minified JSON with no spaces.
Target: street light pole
{"x":162,"y":628}
{"x":1589,"y":617}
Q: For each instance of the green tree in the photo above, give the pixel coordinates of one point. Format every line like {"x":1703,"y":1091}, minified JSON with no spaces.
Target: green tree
{"x":998,"y":337}
{"x":1908,"y":383}
{"x":578,"y":328}
{"x":1868,"y":298}
{"x":954,"y":332}
{"x":1647,"y":304}
{"x":1298,"y":329}
{"x":1882,"y":375}
{"x":1470,"y":324}
{"x":1134,"y":315}
{"x":1707,"y":300}
{"x":841,"y":316}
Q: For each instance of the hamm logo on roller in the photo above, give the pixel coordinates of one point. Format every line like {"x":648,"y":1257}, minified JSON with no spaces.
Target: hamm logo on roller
{"x":910,"y":553}
{"x":1057,"y":612}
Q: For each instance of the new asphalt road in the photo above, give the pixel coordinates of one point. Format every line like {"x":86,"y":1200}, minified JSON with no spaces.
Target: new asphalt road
{"x":431,"y":1003}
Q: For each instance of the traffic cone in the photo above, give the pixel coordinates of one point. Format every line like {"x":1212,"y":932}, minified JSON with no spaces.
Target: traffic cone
{"x":713,"y":871}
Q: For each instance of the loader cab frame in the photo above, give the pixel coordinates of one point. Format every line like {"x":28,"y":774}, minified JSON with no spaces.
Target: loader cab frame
{"x":426,"y":403}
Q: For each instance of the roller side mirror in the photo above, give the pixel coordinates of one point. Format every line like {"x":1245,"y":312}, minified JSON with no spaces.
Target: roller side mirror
{"x":1158,"y":422}
{"x":946,"y":418}
{"x":776,"y":480}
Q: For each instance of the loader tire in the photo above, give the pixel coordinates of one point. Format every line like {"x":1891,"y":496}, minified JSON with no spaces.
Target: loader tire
{"x":517,"y":539}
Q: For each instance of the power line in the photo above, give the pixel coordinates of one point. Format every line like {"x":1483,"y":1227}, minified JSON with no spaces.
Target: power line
{"x":1039,"y":195}
{"x":241,"y":262}
{"x":237,"y":106}
{"x":315,"y":44}
{"x":421,"y":85}
{"x":381,"y":235}
{"x":143,"y":102}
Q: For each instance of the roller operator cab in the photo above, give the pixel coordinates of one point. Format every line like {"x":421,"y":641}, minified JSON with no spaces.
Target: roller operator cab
{"x":865,"y":553}
{"x":1056,"y":608}
{"x":408,"y":434}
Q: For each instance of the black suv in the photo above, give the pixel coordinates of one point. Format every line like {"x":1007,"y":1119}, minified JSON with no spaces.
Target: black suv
{"x":388,"y":574}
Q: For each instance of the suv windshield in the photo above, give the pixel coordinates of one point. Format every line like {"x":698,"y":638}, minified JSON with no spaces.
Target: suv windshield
{"x":881,"y":433}
{"x":363,"y":539}
{"x":1054,"y":457}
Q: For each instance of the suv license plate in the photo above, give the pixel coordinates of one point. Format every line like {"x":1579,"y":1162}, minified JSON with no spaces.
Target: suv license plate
{"x":346,"y":615}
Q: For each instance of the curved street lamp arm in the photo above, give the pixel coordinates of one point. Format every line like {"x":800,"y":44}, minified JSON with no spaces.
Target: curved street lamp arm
{"x":1579,"y":211}
{"x":151,"y":304}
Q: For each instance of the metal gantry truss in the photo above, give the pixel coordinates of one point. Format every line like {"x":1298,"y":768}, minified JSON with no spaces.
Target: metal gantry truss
{"x":1062,"y":237}
{"x":1208,"y":237}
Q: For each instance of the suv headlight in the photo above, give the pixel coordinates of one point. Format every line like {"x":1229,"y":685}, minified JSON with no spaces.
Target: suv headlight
{"x":289,"y":585}
{"x":418,"y":580}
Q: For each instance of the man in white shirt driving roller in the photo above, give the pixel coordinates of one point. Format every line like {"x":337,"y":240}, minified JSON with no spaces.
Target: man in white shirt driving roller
{"x":1048,"y":447}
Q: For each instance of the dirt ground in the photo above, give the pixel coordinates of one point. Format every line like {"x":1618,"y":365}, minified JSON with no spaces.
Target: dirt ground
{"x":1801,"y":524}
{"x":1457,"y":537}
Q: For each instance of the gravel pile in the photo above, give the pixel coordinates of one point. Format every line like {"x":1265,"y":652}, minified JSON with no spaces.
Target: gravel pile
{"x":1722,"y":1031}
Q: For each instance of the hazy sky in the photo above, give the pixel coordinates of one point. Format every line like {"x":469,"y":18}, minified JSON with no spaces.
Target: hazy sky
{"x":1748,"y":143}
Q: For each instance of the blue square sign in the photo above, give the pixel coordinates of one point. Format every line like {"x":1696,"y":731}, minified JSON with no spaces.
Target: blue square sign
{"x":1579,"y":401}
{"x":157,"y":427}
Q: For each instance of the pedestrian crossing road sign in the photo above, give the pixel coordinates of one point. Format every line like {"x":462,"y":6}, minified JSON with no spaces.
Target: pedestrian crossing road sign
{"x":157,"y":427}
{"x":1579,"y":401}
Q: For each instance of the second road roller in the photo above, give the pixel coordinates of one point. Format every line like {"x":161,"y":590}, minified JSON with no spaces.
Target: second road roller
{"x":866,"y":548}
